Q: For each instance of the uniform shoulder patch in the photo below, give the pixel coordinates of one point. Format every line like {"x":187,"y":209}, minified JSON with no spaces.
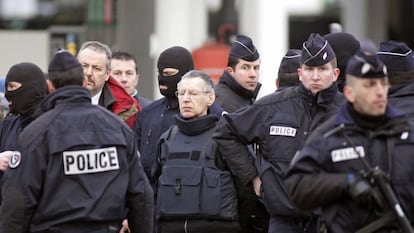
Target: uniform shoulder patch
{"x":15,"y":159}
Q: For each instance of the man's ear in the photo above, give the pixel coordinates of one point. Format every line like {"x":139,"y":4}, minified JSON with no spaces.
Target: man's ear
{"x":348,"y":93}
{"x":211,"y":99}
{"x":50,"y":86}
{"x":229,"y":70}
{"x":299,"y":71}
{"x":108,"y":73}
{"x":337,"y":72}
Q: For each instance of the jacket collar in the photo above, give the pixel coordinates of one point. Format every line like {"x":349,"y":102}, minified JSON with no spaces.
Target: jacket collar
{"x":229,"y":81}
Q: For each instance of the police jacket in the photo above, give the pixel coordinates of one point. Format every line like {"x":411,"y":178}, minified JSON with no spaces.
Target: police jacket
{"x":278,"y":123}
{"x":193,"y":181}
{"x":231,"y":96}
{"x":10,"y":129}
{"x":319,"y":174}
{"x":401,"y":96}
{"x":151,"y":122}
{"x":9,"y":132}
{"x":78,"y":170}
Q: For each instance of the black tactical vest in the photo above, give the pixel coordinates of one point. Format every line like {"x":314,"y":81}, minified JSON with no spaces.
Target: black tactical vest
{"x":191,"y":186}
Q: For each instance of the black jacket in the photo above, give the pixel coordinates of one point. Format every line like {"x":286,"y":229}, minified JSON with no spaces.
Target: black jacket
{"x":231,"y":96}
{"x":319,"y":174}
{"x":79,"y":169}
{"x":278,"y":123}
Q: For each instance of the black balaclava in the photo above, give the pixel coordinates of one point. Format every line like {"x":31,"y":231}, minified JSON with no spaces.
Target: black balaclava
{"x":175,"y":57}
{"x":33,"y":90}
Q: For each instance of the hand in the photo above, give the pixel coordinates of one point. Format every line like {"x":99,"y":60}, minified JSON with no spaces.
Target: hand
{"x":257,"y":184}
{"x":361,"y":191}
{"x":357,"y":186}
{"x":4,"y":160}
{"x":125,"y":227}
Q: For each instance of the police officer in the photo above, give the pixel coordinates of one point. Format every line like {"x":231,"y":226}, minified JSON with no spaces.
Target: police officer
{"x":239,"y":84}
{"x":399,"y":60}
{"x":287,"y":75}
{"x":329,"y":170}
{"x":279,"y":124}
{"x":238,"y":87}
{"x":345,"y":45}
{"x":203,"y":197}
{"x":78,"y":168}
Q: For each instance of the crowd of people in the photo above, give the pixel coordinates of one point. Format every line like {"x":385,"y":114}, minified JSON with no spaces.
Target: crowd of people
{"x":81,"y":151}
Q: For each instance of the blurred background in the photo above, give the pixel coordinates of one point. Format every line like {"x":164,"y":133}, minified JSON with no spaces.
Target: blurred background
{"x":32,"y":30}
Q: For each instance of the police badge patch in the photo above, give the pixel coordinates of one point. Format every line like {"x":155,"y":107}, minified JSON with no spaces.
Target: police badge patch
{"x":282,"y":131}
{"x":15,"y":159}
{"x":347,"y":153}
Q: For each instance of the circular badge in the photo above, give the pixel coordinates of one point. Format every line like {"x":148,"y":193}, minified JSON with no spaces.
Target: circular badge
{"x":15,"y":159}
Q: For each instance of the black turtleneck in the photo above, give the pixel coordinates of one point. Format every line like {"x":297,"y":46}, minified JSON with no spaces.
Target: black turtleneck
{"x":366,"y":121}
{"x":197,"y":125}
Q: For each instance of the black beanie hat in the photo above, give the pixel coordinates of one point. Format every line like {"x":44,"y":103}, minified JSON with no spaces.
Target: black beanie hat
{"x":63,"y":61}
{"x":290,"y":62}
{"x":33,"y":89}
{"x":344,"y":45}
{"x":316,"y":51}
{"x":178,"y":58}
{"x":366,"y":65}
{"x":396,"y":55}
{"x":244,"y":48}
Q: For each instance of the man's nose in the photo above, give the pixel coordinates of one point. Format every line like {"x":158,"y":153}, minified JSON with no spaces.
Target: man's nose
{"x":87,"y":70}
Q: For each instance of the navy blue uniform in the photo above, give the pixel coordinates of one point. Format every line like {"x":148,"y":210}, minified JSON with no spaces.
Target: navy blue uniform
{"x":9,"y":132}
{"x":279,"y":123}
{"x":10,"y":129}
{"x":79,"y":171}
{"x":318,"y":175}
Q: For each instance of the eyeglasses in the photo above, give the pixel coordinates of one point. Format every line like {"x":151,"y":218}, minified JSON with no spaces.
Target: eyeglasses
{"x":191,"y":93}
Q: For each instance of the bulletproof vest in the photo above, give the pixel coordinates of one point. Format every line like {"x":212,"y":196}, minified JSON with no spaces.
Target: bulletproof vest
{"x":191,"y":186}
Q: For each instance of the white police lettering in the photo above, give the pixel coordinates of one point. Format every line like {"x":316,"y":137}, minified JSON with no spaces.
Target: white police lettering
{"x":90,"y":161}
{"x":347,"y":154}
{"x":282,"y":131}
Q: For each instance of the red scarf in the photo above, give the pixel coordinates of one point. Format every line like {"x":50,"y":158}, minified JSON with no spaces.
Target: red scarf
{"x":123,"y":101}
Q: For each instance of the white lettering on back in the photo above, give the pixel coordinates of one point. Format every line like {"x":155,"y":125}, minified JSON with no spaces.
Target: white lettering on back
{"x":90,"y":161}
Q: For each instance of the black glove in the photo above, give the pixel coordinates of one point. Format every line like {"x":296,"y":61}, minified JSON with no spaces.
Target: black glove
{"x":361,"y":191}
